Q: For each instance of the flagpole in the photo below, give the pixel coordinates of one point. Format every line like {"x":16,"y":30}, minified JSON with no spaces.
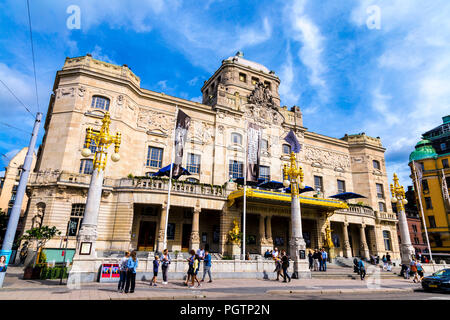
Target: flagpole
{"x":170,"y":180}
{"x":421,"y":209}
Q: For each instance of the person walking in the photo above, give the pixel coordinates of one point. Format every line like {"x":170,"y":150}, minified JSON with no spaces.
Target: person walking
{"x":385,"y":265}
{"x":310,"y":260}
{"x":355,"y":266}
{"x":316,"y":260}
{"x":155,"y":270}
{"x":207,"y":266}
{"x":190,"y":272}
{"x":132,"y":265}
{"x":413,"y":268}
{"x":389,"y":262}
{"x":123,"y":271}
{"x":285,"y":265}
{"x":165,"y":262}
{"x":419,"y":270}
{"x":196,"y":266}
{"x":362,"y":269}
{"x":324,"y":260}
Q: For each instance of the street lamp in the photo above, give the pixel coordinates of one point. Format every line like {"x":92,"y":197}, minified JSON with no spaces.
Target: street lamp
{"x":292,"y":174}
{"x":398,"y":197}
{"x":85,"y":255}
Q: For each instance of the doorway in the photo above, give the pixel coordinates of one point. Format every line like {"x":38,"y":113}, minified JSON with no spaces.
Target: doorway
{"x":185,"y":237}
{"x":146,"y":239}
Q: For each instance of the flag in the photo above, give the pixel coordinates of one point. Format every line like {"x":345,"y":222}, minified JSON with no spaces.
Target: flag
{"x":181,"y":130}
{"x":418,"y":169}
{"x":254,"y":133}
{"x":293,"y":141}
{"x":445,"y":188}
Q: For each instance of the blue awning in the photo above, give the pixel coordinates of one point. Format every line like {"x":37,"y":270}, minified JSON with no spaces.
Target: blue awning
{"x":347,"y":196}
{"x":305,"y":189}
{"x":271,"y":185}
{"x":249,"y":183}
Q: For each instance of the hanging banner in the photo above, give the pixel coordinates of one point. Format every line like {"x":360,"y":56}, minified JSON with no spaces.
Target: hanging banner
{"x":181,"y":130}
{"x":254,"y":134}
{"x":4,"y":259}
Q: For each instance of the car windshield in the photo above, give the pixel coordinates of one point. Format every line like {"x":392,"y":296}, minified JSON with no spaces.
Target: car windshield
{"x":443,"y":273}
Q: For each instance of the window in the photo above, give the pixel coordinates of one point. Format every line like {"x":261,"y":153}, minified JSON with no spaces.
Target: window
{"x":235,"y":169}
{"x":193,"y":163}
{"x":86,"y":166}
{"x":387,"y":240}
{"x":267,"y":85}
{"x":264,"y":173}
{"x":382,"y":206}
{"x":416,"y":240}
{"x":286,"y":148}
{"x":171,"y":231}
{"x":376,"y":164}
{"x":438,"y":240}
{"x":318,"y":183}
{"x":255,"y":80}
{"x":264,"y":145}
{"x":242,"y":77}
{"x":414,"y":227}
{"x":425,"y":187}
{"x":100,"y":103}
{"x":380,"y":192}
{"x":76,"y":217}
{"x":428,"y":203}
{"x":341,"y":186}
{"x":236,"y":138}
{"x":432,"y":221}
{"x":443,"y":146}
{"x":154,"y":157}
{"x":445,"y":163}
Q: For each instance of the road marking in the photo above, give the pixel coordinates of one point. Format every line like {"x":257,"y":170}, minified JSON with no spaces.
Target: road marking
{"x":438,"y":298}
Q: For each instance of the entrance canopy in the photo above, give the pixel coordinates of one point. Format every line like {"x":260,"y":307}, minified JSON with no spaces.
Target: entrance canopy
{"x":285,"y":198}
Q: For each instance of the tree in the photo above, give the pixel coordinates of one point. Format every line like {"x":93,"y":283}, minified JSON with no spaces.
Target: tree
{"x":40,"y":236}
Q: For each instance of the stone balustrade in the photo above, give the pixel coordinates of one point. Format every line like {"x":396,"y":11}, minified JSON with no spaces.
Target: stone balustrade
{"x":389,"y":216}
{"x":357,"y":210}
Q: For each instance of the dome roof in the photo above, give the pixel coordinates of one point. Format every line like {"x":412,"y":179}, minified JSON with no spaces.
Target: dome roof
{"x":239,"y":59}
{"x":424,"y":150}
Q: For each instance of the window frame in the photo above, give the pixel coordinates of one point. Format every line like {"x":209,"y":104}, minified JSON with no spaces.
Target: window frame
{"x":236,"y":134}
{"x":380,"y":195}
{"x":320,"y":189}
{"x":96,"y":105}
{"x":432,"y":221}
{"x":264,"y":177}
{"x":195,"y":166}
{"x":445,"y":163}
{"x":83,"y":166}
{"x":244,"y":77}
{"x":149,"y":160}
{"x":343,"y":182}
{"x":387,"y":240}
{"x":428,"y":203}
{"x":377,"y":166}
{"x":382,"y":204}
{"x":76,"y":207}
{"x":288,"y":146}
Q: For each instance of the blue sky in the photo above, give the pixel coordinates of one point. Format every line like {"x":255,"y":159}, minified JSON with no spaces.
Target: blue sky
{"x":392,"y":82}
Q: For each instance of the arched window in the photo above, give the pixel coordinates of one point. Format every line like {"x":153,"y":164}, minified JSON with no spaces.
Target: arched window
{"x":236,"y":138}
{"x":100,"y":102}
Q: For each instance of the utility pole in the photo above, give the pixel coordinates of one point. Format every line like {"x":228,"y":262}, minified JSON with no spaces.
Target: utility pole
{"x":15,"y":212}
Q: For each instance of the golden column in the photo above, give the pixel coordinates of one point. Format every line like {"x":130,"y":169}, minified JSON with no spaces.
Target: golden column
{"x":407,"y":251}
{"x":292,"y":174}
{"x":85,"y":259}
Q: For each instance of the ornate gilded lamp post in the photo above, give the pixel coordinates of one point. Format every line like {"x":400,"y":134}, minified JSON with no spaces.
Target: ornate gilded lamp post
{"x":398,"y":197}
{"x":84,"y":262}
{"x":297,"y":244}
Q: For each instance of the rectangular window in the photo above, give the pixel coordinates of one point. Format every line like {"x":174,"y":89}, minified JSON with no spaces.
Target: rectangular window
{"x":154,"y":157}
{"x":438,"y":240}
{"x":425,"y":187}
{"x":341,"y":186}
{"x":255,"y":80}
{"x":414,"y":227}
{"x":86,"y":166}
{"x":171,"y":231}
{"x":286,"y":149}
{"x":432,"y":221}
{"x":380,"y":191}
{"x":443,"y":146}
{"x":416,"y":240}
{"x":428,"y":203}
{"x":382,"y":206}
{"x":235,"y":169}
{"x":445,"y":163}
{"x":422,"y":166}
{"x":376,"y":165}
{"x":318,"y":183}
{"x":242,"y":77}
{"x":387,"y":240}
{"x":193,"y":163}
{"x":93,"y":145}
{"x":76,"y":217}
{"x":264,"y":173}
{"x":267,"y":85}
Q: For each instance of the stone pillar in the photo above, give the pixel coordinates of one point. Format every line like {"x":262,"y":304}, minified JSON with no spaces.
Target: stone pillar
{"x":269,"y":228}
{"x":296,"y":241}
{"x":406,"y":248}
{"x":347,"y":245}
{"x":264,"y":243}
{"x":162,"y":228}
{"x":194,"y":242}
{"x":363,"y":247}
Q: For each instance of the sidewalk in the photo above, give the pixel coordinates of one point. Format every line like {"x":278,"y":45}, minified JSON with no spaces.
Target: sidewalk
{"x":18,"y":289}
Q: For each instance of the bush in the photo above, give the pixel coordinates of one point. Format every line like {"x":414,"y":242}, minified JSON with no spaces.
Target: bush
{"x":53,"y":273}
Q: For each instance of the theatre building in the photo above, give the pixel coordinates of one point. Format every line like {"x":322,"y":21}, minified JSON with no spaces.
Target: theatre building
{"x":205,"y":203}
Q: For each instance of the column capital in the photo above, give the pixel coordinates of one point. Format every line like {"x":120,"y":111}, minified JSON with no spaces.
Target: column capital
{"x":197,"y":209}
{"x":346,"y":224}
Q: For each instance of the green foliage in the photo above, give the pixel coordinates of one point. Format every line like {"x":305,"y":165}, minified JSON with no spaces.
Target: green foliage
{"x":227,"y":258}
{"x":40,"y":235}
{"x":130,"y":176}
{"x":42,"y":257}
{"x":53,"y":272}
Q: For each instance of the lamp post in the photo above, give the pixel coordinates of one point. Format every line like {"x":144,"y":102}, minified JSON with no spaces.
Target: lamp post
{"x":398,"y":197}
{"x":292,"y":174}
{"x":84,"y":261}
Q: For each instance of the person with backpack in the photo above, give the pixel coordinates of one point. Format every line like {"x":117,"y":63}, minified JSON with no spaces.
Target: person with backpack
{"x":413,"y":268}
{"x":123,"y":271}
{"x":165,"y":261}
{"x":285,"y":265}
{"x":190,"y":261}
{"x":355,"y":266}
{"x":207,"y":266}
{"x":155,"y":270}
{"x":362,"y":269}
{"x":419,"y":270}
{"x":195,"y":267}
{"x":132,"y":265}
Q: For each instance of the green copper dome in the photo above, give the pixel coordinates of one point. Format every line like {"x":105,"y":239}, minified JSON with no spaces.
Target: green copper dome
{"x":424,"y":150}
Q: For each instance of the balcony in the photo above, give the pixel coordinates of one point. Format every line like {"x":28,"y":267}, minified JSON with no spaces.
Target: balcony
{"x":357,"y":210}
{"x":387,"y":216}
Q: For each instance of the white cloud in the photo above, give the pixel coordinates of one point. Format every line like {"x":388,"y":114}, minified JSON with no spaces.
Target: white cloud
{"x":287,"y":91}
{"x":98,"y":54}
{"x":197,"y":99}
{"x":193,"y":81}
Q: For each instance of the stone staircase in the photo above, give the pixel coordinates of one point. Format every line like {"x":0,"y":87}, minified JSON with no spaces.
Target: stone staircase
{"x":341,"y":269}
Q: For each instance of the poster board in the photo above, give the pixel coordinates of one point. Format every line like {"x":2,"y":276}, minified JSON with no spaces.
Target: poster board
{"x":109,"y":272}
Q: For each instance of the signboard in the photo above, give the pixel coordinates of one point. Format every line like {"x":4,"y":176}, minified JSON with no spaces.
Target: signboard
{"x":4,"y":259}
{"x":110,"y":272}
{"x":302,"y":254}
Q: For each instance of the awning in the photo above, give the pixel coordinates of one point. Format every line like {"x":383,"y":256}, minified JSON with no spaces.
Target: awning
{"x":266,"y":196}
{"x":347,"y":196}
{"x":166,"y":172}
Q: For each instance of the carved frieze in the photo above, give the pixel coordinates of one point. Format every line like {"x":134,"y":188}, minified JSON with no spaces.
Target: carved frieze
{"x":154,"y":121}
{"x":326,"y":158}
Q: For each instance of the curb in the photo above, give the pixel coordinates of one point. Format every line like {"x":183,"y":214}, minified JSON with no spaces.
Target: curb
{"x":185,"y":297}
{"x":340,"y":291}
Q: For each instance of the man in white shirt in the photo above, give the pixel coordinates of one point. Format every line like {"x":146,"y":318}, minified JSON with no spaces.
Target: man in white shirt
{"x":201,"y":253}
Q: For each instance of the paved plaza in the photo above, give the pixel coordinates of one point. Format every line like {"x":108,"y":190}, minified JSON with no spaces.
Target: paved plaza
{"x":16,"y":288}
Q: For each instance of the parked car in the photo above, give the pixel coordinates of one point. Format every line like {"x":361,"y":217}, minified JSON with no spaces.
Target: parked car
{"x":439,"y":280}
